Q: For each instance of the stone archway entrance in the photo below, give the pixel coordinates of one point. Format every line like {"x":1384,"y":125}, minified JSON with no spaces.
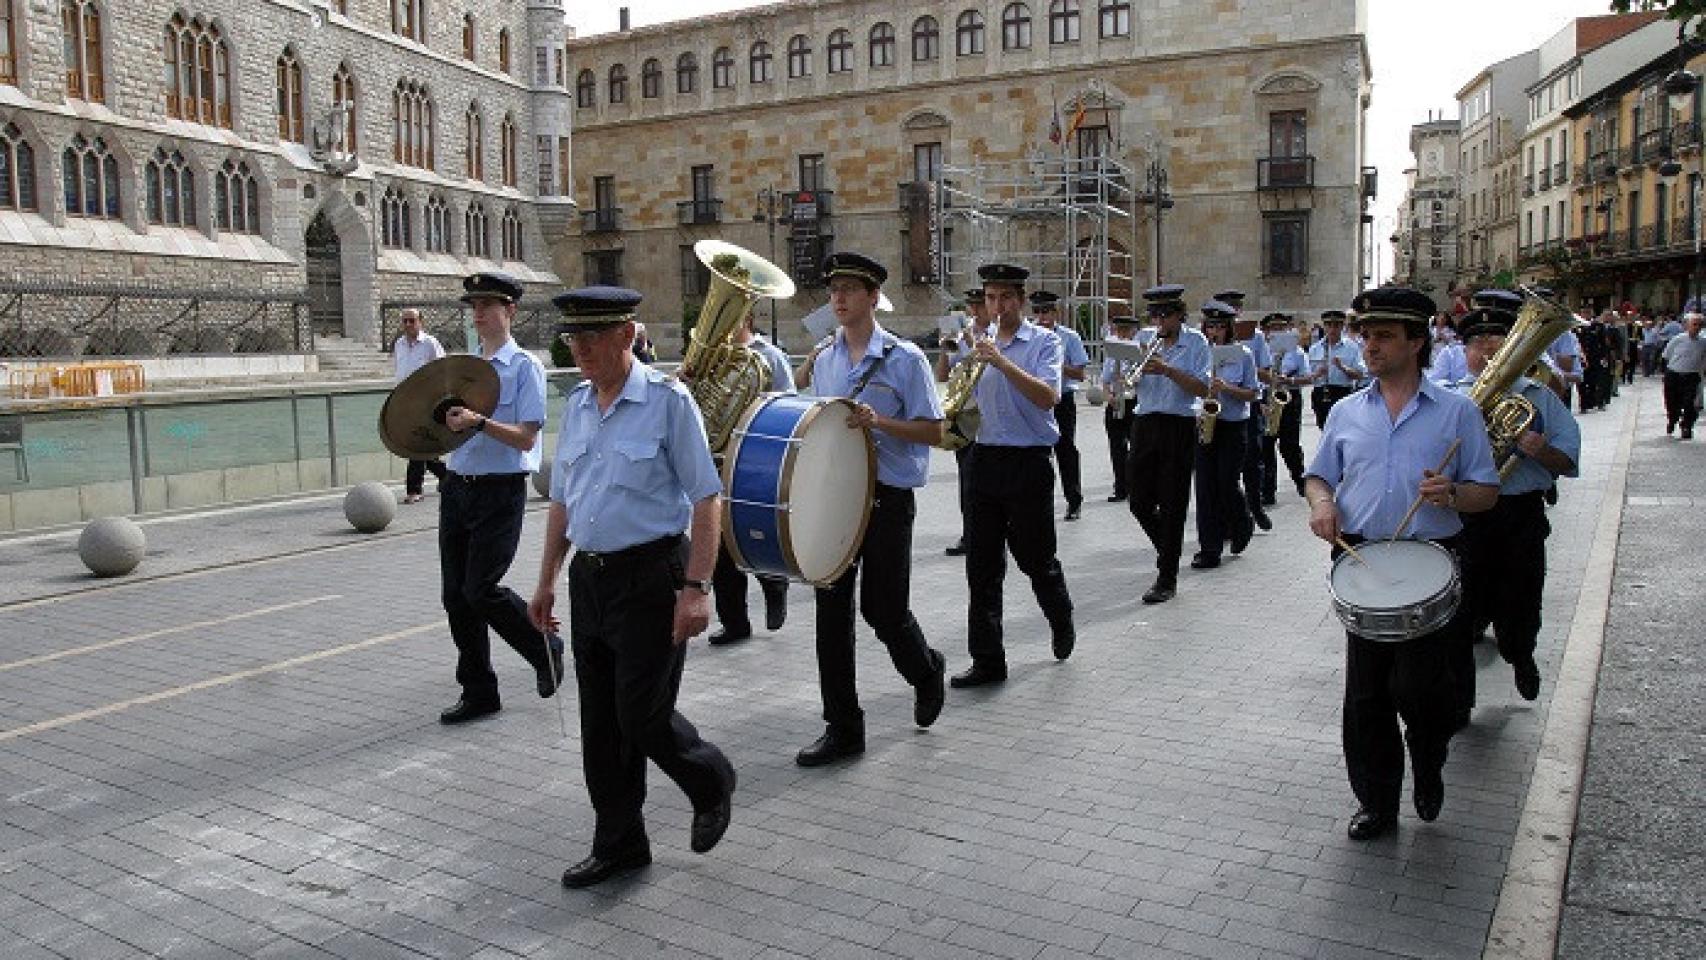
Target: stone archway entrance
{"x":341,"y":269}
{"x":325,"y":277}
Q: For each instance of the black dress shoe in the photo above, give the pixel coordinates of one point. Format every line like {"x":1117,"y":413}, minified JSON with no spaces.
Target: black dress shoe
{"x":465,"y":711}
{"x":1073,"y":512}
{"x":1366,"y":824}
{"x":1262,"y":520}
{"x":1203,"y":561}
{"x":832,"y":746}
{"x":596,"y":869}
{"x":1429,"y":795}
{"x":932,"y":693}
{"x":957,"y":550}
{"x":1240,"y":540}
{"x":1161,"y":592}
{"x":1063,"y":640}
{"x":775,"y":614}
{"x":710,"y":825}
{"x":1527,"y":678}
{"x":723,"y":636}
{"x":1269,"y":501}
{"x":980,"y":674}
{"x":1116,"y":497}
{"x":548,"y":680}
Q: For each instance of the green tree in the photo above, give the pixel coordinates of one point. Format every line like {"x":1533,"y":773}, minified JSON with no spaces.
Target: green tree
{"x":1683,"y":10}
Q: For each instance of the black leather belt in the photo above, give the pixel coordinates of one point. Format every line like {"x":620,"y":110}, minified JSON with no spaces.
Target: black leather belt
{"x":628,"y":555}
{"x":475,"y":479}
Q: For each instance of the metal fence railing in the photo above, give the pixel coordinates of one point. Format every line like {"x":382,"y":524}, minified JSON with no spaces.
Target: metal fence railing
{"x":63,"y":320}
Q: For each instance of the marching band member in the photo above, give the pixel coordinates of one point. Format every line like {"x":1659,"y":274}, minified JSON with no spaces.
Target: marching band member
{"x":1116,"y":418}
{"x":954,"y":350}
{"x":1222,"y":510}
{"x":1164,"y":435}
{"x":728,"y":582}
{"x":890,"y":382}
{"x":632,"y":474}
{"x":1337,"y":366}
{"x":1248,"y":332}
{"x":1380,"y":449}
{"x":1012,"y":479}
{"x":1291,"y":371}
{"x":1074,"y":360}
{"x":481,"y":507}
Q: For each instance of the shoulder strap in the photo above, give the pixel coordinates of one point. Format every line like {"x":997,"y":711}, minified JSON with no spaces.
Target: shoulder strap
{"x":865,"y":380}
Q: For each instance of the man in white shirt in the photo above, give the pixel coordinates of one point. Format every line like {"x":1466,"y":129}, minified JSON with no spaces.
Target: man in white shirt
{"x":1684,"y":358}
{"x":412,"y":351}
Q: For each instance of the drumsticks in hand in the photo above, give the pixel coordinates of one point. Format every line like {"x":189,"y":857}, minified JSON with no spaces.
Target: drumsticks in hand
{"x":1343,"y":545}
{"x":1417,"y":505}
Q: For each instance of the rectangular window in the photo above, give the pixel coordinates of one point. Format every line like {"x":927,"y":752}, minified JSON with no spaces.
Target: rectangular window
{"x":926,"y":162}
{"x":703,"y":185}
{"x":1545,"y":224}
{"x":8,"y":52}
{"x":1285,"y":244}
{"x":557,"y":71}
{"x":1288,"y":133}
{"x":603,"y":268}
{"x":544,"y":155}
{"x":604,"y":193}
{"x":541,"y":66}
{"x":695,"y":276}
{"x":1634,"y":215}
{"x":811,"y":172}
{"x":562,"y":166}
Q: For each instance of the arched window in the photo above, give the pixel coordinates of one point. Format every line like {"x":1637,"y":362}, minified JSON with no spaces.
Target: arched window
{"x":17,"y":170}
{"x":474,"y":126}
{"x":799,"y":56}
{"x":343,"y":92}
{"x":512,"y":249}
{"x":968,"y":34}
{"x":1016,"y":27}
{"x":412,"y":125}
{"x":408,"y":19}
{"x":840,"y":52}
{"x":758,"y":63}
{"x":651,"y":79}
{"x":198,"y":72}
{"x":722,"y":69}
{"x":236,"y":198}
{"x":479,"y":241}
{"x":503,"y":49}
{"x":926,"y":39}
{"x":468,"y":36}
{"x":91,"y":179}
{"x":80,"y":26}
{"x":586,"y":89}
{"x":435,"y":224}
{"x":394,"y":220}
{"x":687,"y":73}
{"x":618,"y":83}
{"x":506,"y":149}
{"x":289,"y":89}
{"x":171,"y":189}
{"x":882,"y":45}
{"x":1115,"y":17}
{"x":1063,"y":21}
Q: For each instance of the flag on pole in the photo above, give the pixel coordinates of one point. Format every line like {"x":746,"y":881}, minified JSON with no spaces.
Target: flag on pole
{"x":1077,"y":120}
{"x":1054,"y":135}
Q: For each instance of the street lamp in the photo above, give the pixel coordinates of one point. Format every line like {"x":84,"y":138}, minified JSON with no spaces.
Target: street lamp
{"x":769,"y":198}
{"x":1155,"y":192}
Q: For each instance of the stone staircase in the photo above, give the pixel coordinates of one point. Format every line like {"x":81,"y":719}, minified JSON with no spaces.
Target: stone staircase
{"x":345,"y":359}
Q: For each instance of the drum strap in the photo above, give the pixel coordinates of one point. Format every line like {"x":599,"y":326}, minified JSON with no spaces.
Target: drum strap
{"x":865,"y":380}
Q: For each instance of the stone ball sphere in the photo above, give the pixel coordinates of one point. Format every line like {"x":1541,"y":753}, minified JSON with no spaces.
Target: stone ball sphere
{"x":370,"y":507}
{"x":542,"y":479}
{"x":112,"y":546}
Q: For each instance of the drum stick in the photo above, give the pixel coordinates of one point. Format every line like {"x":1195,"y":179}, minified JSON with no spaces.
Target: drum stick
{"x":1350,"y":550}
{"x":1417,"y":505}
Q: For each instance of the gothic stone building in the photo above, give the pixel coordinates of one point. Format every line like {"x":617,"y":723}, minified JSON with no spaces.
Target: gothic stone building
{"x":357,"y":150}
{"x":1255,"y":108}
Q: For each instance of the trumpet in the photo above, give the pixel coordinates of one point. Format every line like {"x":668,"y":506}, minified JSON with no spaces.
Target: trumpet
{"x":1276,"y":410}
{"x":959,"y":400}
{"x":1206,"y":418}
{"x":1137,"y":355}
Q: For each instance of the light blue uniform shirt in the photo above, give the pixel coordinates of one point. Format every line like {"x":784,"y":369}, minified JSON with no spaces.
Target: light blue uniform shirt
{"x":1552,"y":418}
{"x":521,"y":399}
{"x":1009,"y":419}
{"x":1238,"y":371}
{"x":1345,"y":350}
{"x":1157,"y":394}
{"x":1295,"y":363}
{"x":1073,"y":354}
{"x":1448,"y":367}
{"x":781,"y":371}
{"x":1374,"y":464}
{"x":903,"y":388}
{"x":631,"y":474}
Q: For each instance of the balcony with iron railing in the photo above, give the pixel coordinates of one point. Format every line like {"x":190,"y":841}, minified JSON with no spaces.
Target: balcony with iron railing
{"x":1544,"y":179}
{"x":601,"y":220}
{"x":1560,"y":173}
{"x":1528,"y":186}
{"x":1285,"y":173}
{"x":699,"y":211}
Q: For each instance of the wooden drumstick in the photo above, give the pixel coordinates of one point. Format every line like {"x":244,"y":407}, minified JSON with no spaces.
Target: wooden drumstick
{"x":1345,"y":546}
{"x":1417,"y":505}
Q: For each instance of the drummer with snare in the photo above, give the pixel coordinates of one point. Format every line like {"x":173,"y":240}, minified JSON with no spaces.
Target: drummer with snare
{"x":1379,"y":452}
{"x":894,"y":394}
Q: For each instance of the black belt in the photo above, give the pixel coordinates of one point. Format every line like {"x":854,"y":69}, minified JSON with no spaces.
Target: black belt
{"x":474,"y":479}
{"x":993,"y":449}
{"x":628,"y":556}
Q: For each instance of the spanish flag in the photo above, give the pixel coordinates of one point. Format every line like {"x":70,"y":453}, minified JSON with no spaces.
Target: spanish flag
{"x":1077,"y":119}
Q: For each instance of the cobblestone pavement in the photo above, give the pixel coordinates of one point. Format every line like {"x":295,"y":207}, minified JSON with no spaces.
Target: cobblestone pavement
{"x":241,"y":759}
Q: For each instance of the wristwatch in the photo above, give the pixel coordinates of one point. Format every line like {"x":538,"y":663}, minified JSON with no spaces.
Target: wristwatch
{"x":699,"y":585}
{"x":480,"y":425}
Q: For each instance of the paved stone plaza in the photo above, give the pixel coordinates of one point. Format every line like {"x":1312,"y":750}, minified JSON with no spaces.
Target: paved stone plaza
{"x":239,"y":757}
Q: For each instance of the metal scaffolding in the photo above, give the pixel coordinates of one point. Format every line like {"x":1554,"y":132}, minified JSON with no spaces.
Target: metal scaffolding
{"x":1070,"y":221}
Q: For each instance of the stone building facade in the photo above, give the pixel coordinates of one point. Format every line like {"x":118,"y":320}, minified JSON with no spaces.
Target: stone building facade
{"x":358,"y":151}
{"x":1492,"y":111}
{"x":1426,"y":244}
{"x":1253,"y":108}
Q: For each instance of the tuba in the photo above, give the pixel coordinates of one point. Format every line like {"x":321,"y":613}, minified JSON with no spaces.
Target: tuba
{"x":1509,"y":415}
{"x":723,"y":376}
{"x":1206,"y":418}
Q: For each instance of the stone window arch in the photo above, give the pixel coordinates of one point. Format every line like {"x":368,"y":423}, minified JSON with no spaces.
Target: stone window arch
{"x":198,"y":72}
{"x":968,"y":33}
{"x":344,"y":92}
{"x":926,"y":39}
{"x":507,"y":150}
{"x":758,"y":63}
{"x":586,"y":89}
{"x":722,"y":69}
{"x":882,"y":45}
{"x":617,"y":83}
{"x":1016,"y":27}
{"x":435,"y":225}
{"x":839,"y":51}
{"x":1063,"y":21}
{"x":687,"y":73}
{"x":651,"y":79}
{"x":236,"y":198}
{"x":412,"y":125}
{"x":512,"y":246}
{"x":409,"y":19}
{"x":170,"y":188}
{"x":17,"y":169}
{"x":80,"y":25}
{"x":91,"y":178}
{"x":475,"y":233}
{"x":799,"y":56}
{"x":288,"y":89}
{"x":394,"y":226}
{"x":474,"y":154}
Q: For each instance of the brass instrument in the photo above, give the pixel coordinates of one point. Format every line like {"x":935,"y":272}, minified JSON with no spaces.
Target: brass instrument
{"x":1276,"y":409}
{"x":723,"y":376}
{"x":959,"y":400}
{"x":1137,"y":354}
{"x":1206,"y":418}
{"x":1509,"y":415}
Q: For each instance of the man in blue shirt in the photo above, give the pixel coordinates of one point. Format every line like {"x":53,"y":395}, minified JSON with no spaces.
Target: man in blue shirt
{"x":890,"y":382}
{"x":954,"y":351}
{"x":632,"y":472}
{"x":1116,"y":420}
{"x":1291,"y":372}
{"x":1222,"y":511}
{"x":481,"y":505}
{"x":1337,"y":366}
{"x":1012,"y":479}
{"x":1248,"y":332}
{"x":1164,"y":435}
{"x":1074,"y":360}
{"x":1381,"y":450}
{"x":1505,"y":560}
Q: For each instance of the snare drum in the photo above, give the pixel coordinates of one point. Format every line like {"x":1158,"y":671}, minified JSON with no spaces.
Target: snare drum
{"x":800,"y":484}
{"x":1406,"y":589}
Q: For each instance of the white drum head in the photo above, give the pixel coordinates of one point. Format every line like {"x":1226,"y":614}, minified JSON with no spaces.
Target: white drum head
{"x":1399,"y":574}
{"x":828,"y":489}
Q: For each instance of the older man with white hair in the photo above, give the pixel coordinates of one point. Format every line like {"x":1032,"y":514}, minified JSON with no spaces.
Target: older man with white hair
{"x":1684,"y":358}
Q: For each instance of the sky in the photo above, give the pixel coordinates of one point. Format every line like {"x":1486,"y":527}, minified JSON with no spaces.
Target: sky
{"x":1421,"y":54}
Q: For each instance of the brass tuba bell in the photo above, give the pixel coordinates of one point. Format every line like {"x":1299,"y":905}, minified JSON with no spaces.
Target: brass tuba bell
{"x":1508,"y":415}
{"x":723,"y":376}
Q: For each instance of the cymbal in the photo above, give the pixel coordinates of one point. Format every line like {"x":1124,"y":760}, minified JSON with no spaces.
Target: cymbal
{"x":411,"y":423}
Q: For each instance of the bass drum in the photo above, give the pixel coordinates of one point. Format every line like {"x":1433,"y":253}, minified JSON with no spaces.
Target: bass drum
{"x":800,"y":484}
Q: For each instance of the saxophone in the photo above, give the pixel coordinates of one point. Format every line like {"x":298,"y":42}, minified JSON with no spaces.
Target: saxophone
{"x":1206,"y":418}
{"x":1276,"y":409}
{"x":1509,"y":415}
{"x":723,"y":376}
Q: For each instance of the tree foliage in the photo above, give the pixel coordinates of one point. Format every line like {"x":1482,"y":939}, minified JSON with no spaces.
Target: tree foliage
{"x":1683,"y":10}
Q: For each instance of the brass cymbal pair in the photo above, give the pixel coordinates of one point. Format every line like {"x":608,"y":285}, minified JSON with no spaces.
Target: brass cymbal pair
{"x":411,"y":423}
